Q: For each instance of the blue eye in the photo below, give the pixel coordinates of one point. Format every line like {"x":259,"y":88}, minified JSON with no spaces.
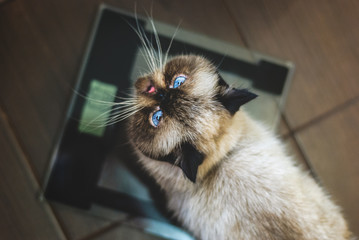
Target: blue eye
{"x":179,"y":80}
{"x":156,"y":118}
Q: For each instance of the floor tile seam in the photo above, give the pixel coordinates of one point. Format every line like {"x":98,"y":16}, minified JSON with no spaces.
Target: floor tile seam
{"x":242,"y":38}
{"x":293,"y":133}
{"x":14,"y":141}
{"x":320,"y":118}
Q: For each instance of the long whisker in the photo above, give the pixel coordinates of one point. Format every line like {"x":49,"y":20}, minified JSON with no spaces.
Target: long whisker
{"x":124,"y":103}
{"x":220,"y":63}
{"x":101,"y":101}
{"x":129,"y":93}
{"x":140,"y":33}
{"x":120,"y":117}
{"x":123,"y":108}
{"x":152,"y":51}
{"x":148,"y":55}
{"x":99,"y":118}
{"x":170,"y":45}
{"x":113,"y":117}
{"x":158,"y":43}
{"x":148,"y":51}
{"x":120,"y":110}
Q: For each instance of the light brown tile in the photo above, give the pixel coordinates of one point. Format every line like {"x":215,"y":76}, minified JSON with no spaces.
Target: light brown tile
{"x":283,"y":129}
{"x":37,"y":68}
{"x":332,"y":147}
{"x":207,"y":17}
{"x":23,"y":216}
{"x":320,"y":37}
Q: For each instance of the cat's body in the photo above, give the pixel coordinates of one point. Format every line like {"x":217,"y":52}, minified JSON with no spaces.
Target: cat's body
{"x":224,"y":174}
{"x":254,"y":192}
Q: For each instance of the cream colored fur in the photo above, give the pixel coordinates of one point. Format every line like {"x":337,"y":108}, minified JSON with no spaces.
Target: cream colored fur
{"x":249,"y":189}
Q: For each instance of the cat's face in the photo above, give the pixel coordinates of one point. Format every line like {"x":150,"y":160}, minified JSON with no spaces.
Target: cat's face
{"x":183,"y":109}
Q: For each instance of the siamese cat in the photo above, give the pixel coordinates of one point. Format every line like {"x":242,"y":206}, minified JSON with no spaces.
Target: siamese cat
{"x":224,"y":174}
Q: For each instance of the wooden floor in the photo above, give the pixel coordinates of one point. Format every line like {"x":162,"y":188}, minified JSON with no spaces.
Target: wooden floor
{"x":41,"y":46}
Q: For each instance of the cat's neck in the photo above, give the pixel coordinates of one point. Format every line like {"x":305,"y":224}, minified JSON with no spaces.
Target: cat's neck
{"x":228,"y":137}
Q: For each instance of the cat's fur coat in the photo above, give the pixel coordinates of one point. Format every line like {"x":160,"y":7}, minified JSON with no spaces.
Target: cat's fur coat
{"x":242,"y":185}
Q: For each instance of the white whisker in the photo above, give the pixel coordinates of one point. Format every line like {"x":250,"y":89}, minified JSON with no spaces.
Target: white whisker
{"x":123,"y":111}
{"x":158,"y":43}
{"x":132,"y":99}
{"x":119,"y":118}
{"x":118,"y":111}
{"x":146,"y":51}
{"x":170,"y":45}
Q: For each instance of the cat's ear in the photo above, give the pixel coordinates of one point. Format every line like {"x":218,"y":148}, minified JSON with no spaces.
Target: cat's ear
{"x":190,"y":160}
{"x":233,"y":98}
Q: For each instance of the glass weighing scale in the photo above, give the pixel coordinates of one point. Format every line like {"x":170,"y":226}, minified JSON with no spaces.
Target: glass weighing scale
{"x":94,"y":166}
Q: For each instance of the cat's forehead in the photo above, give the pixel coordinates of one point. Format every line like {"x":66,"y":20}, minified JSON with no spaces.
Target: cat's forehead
{"x":201,"y":73}
{"x":187,"y":65}
{"x":181,"y":64}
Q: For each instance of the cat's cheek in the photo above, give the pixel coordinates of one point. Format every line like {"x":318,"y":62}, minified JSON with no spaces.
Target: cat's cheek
{"x":168,"y":136}
{"x":204,"y":83}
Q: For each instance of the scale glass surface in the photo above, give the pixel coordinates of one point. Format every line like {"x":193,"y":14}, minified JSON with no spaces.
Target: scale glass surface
{"x":93,"y":167}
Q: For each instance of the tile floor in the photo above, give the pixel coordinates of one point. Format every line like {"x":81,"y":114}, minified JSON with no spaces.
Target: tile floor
{"x":41,"y":46}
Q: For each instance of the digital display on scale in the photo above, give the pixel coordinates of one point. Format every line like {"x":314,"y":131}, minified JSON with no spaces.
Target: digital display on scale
{"x":97,"y":108}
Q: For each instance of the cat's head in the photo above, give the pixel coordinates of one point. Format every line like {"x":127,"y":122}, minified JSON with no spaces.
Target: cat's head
{"x":183,"y":109}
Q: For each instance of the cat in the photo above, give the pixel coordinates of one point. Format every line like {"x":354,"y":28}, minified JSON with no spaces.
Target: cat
{"x":224,"y":174}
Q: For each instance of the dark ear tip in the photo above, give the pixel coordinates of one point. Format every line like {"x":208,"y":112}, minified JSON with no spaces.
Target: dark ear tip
{"x":234,"y":98}
{"x":251,"y":95}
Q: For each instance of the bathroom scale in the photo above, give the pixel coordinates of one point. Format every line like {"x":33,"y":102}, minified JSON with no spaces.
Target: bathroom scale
{"x":92,"y":164}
